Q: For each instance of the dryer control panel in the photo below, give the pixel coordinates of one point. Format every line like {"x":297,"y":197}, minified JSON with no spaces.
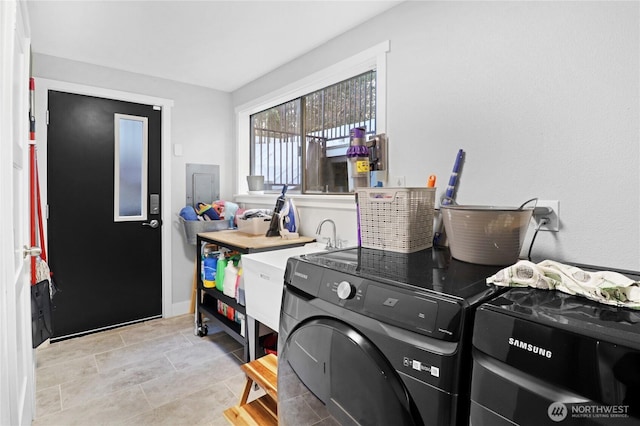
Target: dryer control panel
{"x":419,"y":311}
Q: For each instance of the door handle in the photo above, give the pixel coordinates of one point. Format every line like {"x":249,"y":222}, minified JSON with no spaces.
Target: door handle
{"x":31,"y":251}
{"x":153,"y":224}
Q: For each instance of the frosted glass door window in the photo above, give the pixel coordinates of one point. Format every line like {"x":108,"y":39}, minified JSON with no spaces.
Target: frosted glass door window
{"x":130,"y":201}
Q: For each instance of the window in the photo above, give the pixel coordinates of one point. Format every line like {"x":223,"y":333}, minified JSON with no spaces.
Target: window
{"x":130,"y":182}
{"x":303,"y":142}
{"x":372,"y":58}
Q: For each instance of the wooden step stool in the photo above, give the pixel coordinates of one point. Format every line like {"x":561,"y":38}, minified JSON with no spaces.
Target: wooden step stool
{"x":262,"y":411}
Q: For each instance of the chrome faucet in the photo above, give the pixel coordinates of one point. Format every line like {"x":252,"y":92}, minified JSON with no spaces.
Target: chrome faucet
{"x":331,"y":243}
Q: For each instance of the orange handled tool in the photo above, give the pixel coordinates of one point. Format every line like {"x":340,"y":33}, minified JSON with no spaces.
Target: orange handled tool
{"x":432,"y":181}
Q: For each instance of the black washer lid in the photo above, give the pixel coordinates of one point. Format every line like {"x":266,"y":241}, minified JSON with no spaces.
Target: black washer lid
{"x":573,"y":313}
{"x":431,"y":270}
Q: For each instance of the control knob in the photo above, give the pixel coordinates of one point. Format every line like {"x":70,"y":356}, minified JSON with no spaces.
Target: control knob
{"x":346,"y":290}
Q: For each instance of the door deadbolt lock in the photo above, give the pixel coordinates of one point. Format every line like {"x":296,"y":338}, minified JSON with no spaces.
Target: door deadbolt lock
{"x":31,"y":251}
{"x":153,"y":224}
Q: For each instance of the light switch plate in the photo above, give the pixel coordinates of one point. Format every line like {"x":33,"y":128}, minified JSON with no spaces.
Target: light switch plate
{"x":399,"y":181}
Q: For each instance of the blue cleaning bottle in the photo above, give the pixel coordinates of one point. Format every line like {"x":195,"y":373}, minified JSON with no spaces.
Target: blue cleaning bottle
{"x":209,"y":271}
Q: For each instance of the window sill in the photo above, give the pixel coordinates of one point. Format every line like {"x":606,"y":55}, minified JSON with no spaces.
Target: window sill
{"x":334,"y":202}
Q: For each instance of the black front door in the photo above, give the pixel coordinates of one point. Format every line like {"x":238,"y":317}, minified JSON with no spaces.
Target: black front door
{"x":103,"y":192}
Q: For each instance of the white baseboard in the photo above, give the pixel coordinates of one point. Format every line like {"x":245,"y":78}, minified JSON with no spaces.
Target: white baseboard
{"x":179,"y":308}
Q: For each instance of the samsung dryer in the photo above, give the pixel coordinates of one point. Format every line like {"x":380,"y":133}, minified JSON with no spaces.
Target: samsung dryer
{"x":546,"y":357}
{"x":378,"y":338}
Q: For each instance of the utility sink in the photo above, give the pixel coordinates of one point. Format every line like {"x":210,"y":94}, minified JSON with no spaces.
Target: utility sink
{"x":264,"y":281}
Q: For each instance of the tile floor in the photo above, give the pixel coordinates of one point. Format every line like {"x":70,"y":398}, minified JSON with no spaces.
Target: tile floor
{"x":152,"y":373}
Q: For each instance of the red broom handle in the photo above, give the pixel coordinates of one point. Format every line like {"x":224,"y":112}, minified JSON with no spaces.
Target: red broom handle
{"x":43,"y":248}
{"x":32,"y":208}
{"x":32,"y":176}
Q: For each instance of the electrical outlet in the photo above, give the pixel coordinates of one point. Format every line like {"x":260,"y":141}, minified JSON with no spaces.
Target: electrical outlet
{"x":553,"y":217}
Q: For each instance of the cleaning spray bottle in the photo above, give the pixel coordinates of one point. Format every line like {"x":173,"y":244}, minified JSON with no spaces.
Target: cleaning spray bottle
{"x":220,"y":270}
{"x":358,"y":160}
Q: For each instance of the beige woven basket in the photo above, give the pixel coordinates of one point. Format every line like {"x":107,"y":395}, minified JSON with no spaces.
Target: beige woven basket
{"x":396,"y":219}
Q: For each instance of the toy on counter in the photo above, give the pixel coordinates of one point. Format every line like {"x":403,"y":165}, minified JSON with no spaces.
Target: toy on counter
{"x":208,"y":211}
{"x":218,"y":206}
{"x":188,"y":213}
{"x":217,"y":210}
{"x":231,"y":210}
{"x":227,"y":210}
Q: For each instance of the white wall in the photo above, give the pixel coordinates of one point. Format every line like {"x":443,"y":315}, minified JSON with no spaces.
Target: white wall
{"x":339,"y":208}
{"x":542,"y":96}
{"x":201,"y":123}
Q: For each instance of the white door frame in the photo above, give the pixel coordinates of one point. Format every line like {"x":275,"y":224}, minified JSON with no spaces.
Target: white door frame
{"x":17,"y":368}
{"x":43,"y":86}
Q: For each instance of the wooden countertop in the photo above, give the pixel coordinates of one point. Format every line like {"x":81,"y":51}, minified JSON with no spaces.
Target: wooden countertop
{"x":247,"y":243}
